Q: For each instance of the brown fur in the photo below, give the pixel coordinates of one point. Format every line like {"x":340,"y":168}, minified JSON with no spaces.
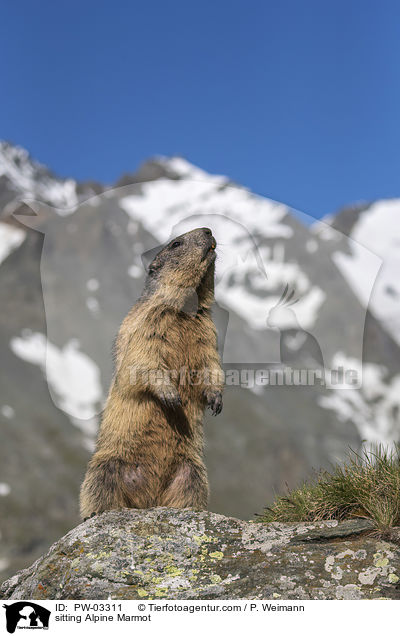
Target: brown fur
{"x":150,"y":445}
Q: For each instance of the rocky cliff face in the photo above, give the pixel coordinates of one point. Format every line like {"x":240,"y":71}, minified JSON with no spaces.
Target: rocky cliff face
{"x":183,"y":554}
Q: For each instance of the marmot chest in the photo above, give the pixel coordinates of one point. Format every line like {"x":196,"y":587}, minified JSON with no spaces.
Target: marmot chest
{"x":188,"y":343}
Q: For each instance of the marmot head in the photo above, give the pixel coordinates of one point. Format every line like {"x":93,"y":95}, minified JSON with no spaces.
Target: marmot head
{"x":185,"y":266}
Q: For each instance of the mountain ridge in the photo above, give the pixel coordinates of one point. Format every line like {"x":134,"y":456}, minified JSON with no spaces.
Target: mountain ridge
{"x":69,"y":275}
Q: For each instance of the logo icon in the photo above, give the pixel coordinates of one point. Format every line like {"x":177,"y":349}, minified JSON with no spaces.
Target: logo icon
{"x":26,"y":615}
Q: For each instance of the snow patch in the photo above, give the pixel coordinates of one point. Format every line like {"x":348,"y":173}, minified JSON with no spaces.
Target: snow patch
{"x":31,"y":179}
{"x":4,"y":489}
{"x":296,"y":341}
{"x":325,"y":232}
{"x":360,"y":269}
{"x":93,"y":304}
{"x":253,"y":277}
{"x":93,"y":284}
{"x":7,"y":411}
{"x":248,"y":277}
{"x":135,"y":271}
{"x":73,"y":377}
{"x":164,"y":203}
{"x":183,"y":168}
{"x":374,"y":407}
{"x":311,"y":246}
{"x":10,"y":239}
{"x":378,"y":230}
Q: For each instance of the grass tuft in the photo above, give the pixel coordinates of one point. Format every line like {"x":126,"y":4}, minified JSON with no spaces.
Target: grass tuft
{"x":367,"y":486}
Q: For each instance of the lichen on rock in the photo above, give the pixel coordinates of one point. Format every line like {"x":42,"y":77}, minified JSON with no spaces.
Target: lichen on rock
{"x":187,"y":554}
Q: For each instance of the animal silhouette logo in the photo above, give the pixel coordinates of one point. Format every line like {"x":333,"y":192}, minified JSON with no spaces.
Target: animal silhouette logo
{"x":282,"y":317}
{"x":26,"y":615}
{"x":258,"y":254}
{"x":280,"y":313}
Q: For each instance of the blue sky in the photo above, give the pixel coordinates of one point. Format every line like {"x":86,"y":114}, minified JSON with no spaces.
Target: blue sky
{"x":298,"y":100}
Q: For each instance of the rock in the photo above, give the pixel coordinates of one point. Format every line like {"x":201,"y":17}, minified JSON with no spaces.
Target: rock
{"x":184,"y":554}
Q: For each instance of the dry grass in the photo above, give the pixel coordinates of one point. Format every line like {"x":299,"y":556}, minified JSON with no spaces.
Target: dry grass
{"x":367,"y":485}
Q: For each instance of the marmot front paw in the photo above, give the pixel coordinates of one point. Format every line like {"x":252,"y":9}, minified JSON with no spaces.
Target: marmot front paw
{"x":214,"y":401}
{"x":169,"y":396}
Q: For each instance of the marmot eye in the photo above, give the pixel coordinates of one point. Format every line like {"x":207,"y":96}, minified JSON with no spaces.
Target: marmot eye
{"x":176,"y":244}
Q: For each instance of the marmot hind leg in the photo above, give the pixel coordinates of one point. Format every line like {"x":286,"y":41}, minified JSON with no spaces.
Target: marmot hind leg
{"x":188,"y":488}
{"x":111,"y":484}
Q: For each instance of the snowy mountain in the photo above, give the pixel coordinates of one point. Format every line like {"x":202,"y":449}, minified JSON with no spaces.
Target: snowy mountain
{"x":27,"y":178}
{"x":376,"y":227}
{"x":289,"y":295}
